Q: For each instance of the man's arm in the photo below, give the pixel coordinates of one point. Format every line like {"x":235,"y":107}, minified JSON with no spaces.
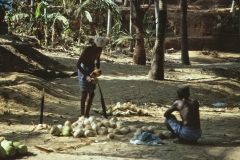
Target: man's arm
{"x":79,"y":66}
{"x":171,"y":109}
{"x":98,"y":63}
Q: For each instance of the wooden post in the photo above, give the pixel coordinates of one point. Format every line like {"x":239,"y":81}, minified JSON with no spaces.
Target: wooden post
{"x":42,"y":107}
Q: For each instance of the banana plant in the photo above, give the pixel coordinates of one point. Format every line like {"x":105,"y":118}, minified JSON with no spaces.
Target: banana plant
{"x":50,"y":20}
{"x":104,"y":5}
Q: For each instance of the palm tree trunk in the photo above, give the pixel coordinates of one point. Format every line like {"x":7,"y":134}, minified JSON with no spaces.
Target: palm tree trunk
{"x":139,"y":55}
{"x":184,"y":34}
{"x":157,"y":66}
{"x":53,"y":35}
{"x":131,"y":26}
{"x":46,"y":27}
{"x":80,"y":24}
{"x":125,"y":3}
{"x":239,"y":18}
{"x":109,"y":24}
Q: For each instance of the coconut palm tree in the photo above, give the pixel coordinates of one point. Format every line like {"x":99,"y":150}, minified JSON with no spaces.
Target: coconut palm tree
{"x":184,"y":33}
{"x":157,"y":66}
{"x":139,"y":56}
{"x":131,"y":26}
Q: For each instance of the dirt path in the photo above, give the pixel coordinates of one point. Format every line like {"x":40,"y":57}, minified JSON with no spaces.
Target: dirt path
{"x":211,"y":80}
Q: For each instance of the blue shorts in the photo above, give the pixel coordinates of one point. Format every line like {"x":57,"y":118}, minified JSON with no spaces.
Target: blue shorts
{"x":85,"y":86}
{"x":183,"y":132}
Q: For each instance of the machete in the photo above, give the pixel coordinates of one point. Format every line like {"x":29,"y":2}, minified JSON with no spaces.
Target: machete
{"x":102,"y":102}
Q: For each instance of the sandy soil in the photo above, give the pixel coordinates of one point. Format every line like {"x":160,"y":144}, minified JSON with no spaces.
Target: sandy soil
{"x":213,"y":77}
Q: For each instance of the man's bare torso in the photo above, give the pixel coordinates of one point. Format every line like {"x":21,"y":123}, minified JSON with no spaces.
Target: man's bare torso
{"x":189,"y":112}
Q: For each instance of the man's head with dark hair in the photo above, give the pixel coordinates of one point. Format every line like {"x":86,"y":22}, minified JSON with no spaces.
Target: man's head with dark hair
{"x":183,"y":92}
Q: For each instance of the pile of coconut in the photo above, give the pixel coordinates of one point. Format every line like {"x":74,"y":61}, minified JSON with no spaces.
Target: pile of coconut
{"x":92,"y":126}
{"x":126,"y":109}
{"x":9,"y":148}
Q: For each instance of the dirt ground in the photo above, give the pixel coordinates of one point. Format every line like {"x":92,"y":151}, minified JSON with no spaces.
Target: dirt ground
{"x":212,"y":76}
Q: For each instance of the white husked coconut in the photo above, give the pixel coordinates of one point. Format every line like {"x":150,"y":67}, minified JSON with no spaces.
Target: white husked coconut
{"x":94,"y":132}
{"x":120,"y":124}
{"x":167,"y":134}
{"x":102,"y":131}
{"x":133,"y":108}
{"x":78,"y":133}
{"x":114,"y":119}
{"x":75,"y":124}
{"x":88,"y":133}
{"x":112,"y":124}
{"x":124,"y":130}
{"x":100,"y":124}
{"x":137,"y":133}
{"x":98,"y":119}
{"x":86,"y":122}
{"x":110,"y":130}
{"x":81,"y":119}
{"x":106,"y":123}
{"x":132,"y":128}
{"x":151,"y":129}
{"x":111,"y":136}
{"x":60,"y":126}
{"x":144,"y":129}
{"x":45,"y":126}
{"x":92,"y":119}
{"x":139,"y":130}
{"x":88,"y":127}
{"x":39,"y":126}
{"x":116,"y":131}
{"x":78,"y":127}
{"x":94,"y":126}
{"x":67,"y":123}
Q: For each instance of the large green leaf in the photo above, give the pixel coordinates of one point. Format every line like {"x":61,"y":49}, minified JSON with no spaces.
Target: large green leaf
{"x":39,"y":8}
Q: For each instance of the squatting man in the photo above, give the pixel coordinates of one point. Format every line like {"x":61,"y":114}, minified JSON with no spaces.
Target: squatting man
{"x":188,"y":130}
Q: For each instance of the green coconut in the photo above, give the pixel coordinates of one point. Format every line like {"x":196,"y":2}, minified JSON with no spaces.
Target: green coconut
{"x":6,"y":142}
{"x":55,"y":131}
{"x":67,"y":130}
{"x":22,"y":149}
{"x":10,"y":150}
{"x":16,"y":144}
{"x":2,"y":152}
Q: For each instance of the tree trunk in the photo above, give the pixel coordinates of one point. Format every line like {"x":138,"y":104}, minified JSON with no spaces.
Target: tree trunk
{"x":46,"y":27}
{"x":184,"y":34}
{"x":131,"y":26}
{"x":156,"y":8}
{"x":239,"y":18}
{"x":80,"y":24}
{"x":125,"y":4}
{"x":109,"y":24}
{"x":139,"y":56}
{"x":157,"y":66}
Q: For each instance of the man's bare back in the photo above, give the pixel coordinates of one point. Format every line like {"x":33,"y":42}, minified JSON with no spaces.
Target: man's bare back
{"x":189,"y":112}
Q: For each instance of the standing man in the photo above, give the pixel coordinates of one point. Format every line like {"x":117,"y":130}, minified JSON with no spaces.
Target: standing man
{"x":86,"y":64}
{"x":188,"y":130}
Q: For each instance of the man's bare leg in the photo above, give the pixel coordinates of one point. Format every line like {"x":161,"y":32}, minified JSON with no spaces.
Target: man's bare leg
{"x":83,"y":100}
{"x":89,"y":103}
